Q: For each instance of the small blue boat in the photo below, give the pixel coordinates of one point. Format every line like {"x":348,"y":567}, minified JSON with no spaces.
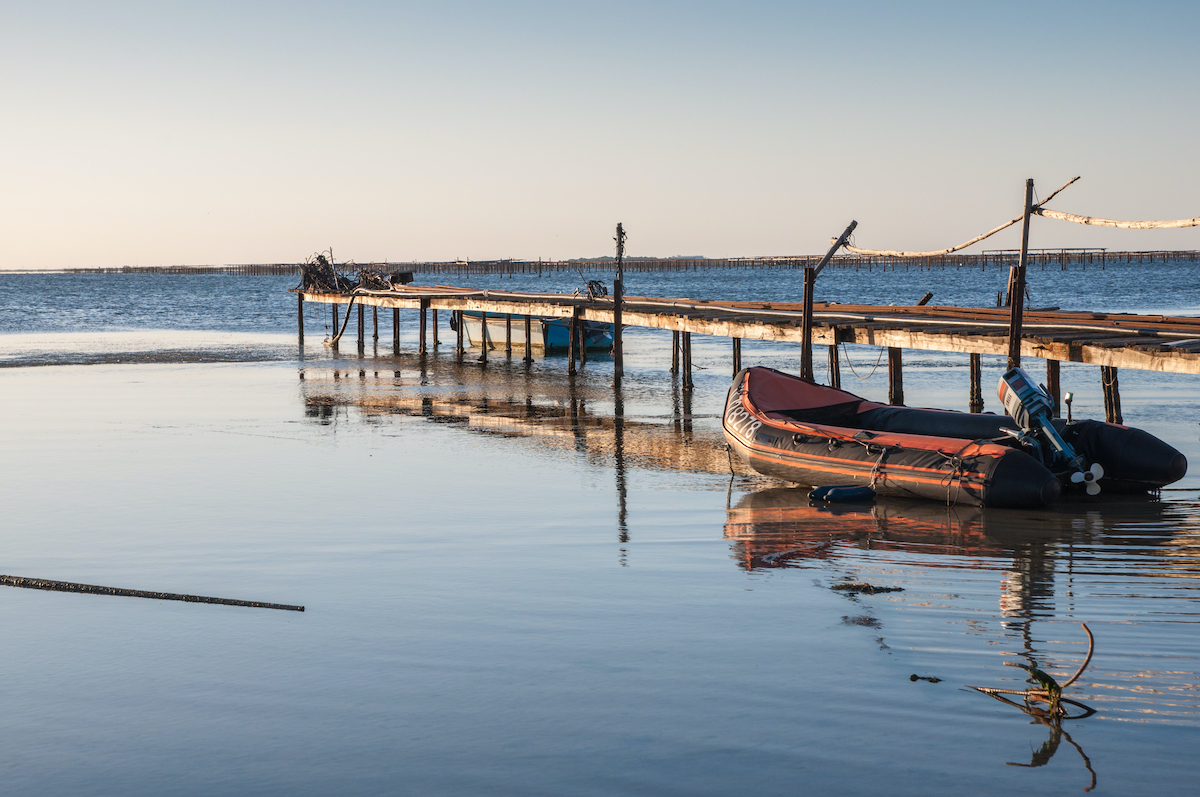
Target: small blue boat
{"x":549,"y":334}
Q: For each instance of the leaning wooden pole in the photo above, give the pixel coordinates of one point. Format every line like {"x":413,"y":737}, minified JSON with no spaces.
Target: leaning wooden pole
{"x":1017,"y":290}
{"x":810,"y":282}
{"x":618,"y":353}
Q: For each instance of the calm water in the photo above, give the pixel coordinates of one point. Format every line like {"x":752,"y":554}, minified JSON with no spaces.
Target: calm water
{"x":513,"y":588}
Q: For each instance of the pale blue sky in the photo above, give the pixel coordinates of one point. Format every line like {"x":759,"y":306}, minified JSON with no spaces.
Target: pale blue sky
{"x":158,"y":133}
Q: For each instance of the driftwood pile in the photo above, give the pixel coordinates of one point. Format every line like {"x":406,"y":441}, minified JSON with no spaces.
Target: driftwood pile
{"x":319,"y":274}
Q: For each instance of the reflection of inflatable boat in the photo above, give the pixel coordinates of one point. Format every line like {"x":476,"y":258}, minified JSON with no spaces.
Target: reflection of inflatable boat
{"x":547,"y":333}
{"x":796,"y":430}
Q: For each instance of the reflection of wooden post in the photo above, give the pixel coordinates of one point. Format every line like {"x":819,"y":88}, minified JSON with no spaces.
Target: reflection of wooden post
{"x":395,"y":330}
{"x":737,"y":355}
{"x":528,"y":340}
{"x":334,"y":337}
{"x":300,"y":315}
{"x":976,"y":401}
{"x":687,"y":361}
{"x":895,"y":377}
{"x":508,"y":334}
{"x":1052,"y":386}
{"x":835,"y":368}
{"x":1112,"y":394}
{"x":421,"y":334}
{"x":674,"y":350}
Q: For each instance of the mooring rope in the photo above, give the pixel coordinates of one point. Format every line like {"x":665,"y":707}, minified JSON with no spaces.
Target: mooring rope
{"x":849,"y":364}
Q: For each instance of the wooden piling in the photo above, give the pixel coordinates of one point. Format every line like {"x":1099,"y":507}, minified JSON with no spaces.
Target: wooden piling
{"x":300,"y":315}
{"x":483,"y":336}
{"x":572,"y":340}
{"x":674,"y":351}
{"x":334,"y":337}
{"x":976,"y":399}
{"x":395,"y":330}
{"x":1052,"y":386}
{"x":1016,"y":298}
{"x":374,"y":322}
{"x":508,"y":334}
{"x":737,"y":355}
{"x":1112,"y":394}
{"x":362,"y":334}
{"x":895,"y":377}
{"x":687,"y":361}
{"x":458,"y":333}
{"x":618,"y":351}
{"x":835,"y":368}
{"x":424,"y":305}
{"x":434,"y":325}
{"x":528,"y":340}
{"x":806,"y":361}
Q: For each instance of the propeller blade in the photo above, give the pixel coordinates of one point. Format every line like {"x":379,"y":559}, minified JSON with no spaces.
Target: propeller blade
{"x":1097,"y":471}
{"x":1093,"y":488}
{"x":1077,"y":477}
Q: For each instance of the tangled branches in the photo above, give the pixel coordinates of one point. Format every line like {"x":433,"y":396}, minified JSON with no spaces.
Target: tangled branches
{"x":318,"y":274}
{"x":1047,"y":691}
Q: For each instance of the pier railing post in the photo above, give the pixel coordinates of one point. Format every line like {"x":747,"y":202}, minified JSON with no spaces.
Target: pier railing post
{"x":1017,"y":286}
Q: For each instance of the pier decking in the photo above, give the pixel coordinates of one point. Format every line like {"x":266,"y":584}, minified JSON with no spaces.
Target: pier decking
{"x":1109,"y":340}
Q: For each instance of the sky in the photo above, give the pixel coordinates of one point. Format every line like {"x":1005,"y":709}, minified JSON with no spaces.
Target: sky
{"x":164,"y":133}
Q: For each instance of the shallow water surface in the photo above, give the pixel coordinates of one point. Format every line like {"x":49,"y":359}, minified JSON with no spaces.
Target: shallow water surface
{"x":511,"y":590}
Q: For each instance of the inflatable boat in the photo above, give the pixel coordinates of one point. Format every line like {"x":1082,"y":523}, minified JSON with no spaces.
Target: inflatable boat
{"x":792,"y":429}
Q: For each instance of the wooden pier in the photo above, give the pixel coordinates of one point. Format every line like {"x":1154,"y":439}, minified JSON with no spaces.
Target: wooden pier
{"x":1109,"y":340}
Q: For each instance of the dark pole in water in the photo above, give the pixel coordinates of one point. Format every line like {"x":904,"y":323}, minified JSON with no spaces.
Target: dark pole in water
{"x":91,"y":589}
{"x":618,"y":297}
{"x":483,"y":335}
{"x":835,"y":368}
{"x":434,"y":326}
{"x":528,"y":340}
{"x":334,"y":345}
{"x":1017,"y":292}
{"x":508,"y":334}
{"x":895,"y":377}
{"x":687,"y":361}
{"x":300,"y":315}
{"x":1053,"y":387}
{"x":395,"y":330}
{"x":362,"y":333}
{"x":737,"y":355}
{"x":1112,"y":394}
{"x":424,"y":304}
{"x":810,"y":282}
{"x":374,"y":322}
{"x":572,"y":340}
{"x":976,"y":400}
{"x":458,"y":334}
{"x":675,"y":351}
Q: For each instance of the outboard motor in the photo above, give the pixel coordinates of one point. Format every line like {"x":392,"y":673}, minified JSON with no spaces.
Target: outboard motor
{"x":1031,"y":407}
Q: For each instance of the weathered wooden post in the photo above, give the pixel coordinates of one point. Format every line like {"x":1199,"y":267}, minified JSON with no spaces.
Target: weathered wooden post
{"x":508,"y":334}
{"x":395,"y":330}
{"x":1112,"y":394}
{"x":618,"y":297}
{"x":895,"y":377}
{"x":483,"y":335}
{"x":572,"y":340}
{"x":687,"y":361}
{"x":810,"y":282}
{"x":434,"y":325}
{"x":835,"y":368}
{"x":1053,"y":387}
{"x":1017,"y":286}
{"x":334,"y":338}
{"x":737,"y":355}
{"x":300,"y":315}
{"x":362,"y":334}
{"x":458,"y":334}
{"x":976,"y":399}
{"x":528,"y":340}
{"x":674,"y":351}
{"x":375,"y":322}
{"x":423,"y":306}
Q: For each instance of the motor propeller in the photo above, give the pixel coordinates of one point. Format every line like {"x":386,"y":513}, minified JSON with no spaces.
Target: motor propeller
{"x":1030,"y":406}
{"x":1090,"y":477}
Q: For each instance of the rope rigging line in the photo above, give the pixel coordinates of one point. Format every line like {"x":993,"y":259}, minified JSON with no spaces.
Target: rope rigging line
{"x":894,"y":253}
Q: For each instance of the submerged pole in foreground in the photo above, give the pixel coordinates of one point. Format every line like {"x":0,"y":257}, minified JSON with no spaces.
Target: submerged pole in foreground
{"x":1017,"y":291}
